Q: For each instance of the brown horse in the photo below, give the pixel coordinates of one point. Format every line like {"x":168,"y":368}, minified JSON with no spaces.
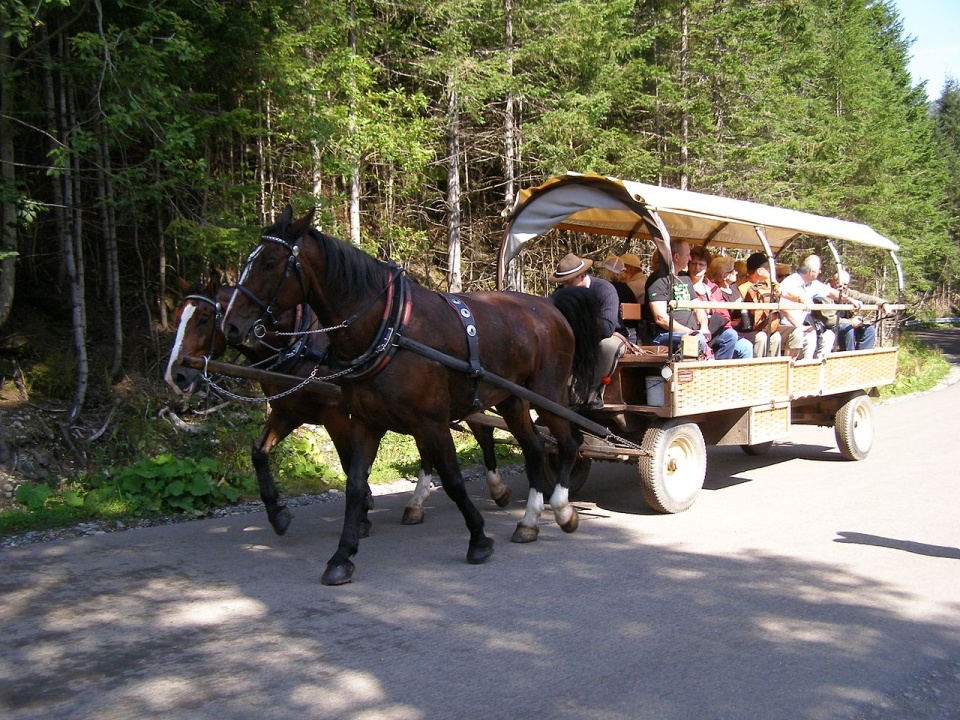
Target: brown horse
{"x":295,"y":352}
{"x":370,"y":311}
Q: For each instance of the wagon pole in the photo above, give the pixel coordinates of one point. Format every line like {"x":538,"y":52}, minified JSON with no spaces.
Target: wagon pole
{"x":316,"y":387}
{"x":536,"y":400}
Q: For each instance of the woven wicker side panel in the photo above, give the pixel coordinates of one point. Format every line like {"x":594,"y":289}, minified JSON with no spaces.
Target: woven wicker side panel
{"x":805,"y":379}
{"x":769,"y":423}
{"x":720,"y":385}
{"x":861,"y":369}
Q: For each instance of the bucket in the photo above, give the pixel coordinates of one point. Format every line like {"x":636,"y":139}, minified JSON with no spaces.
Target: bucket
{"x":654,"y":390}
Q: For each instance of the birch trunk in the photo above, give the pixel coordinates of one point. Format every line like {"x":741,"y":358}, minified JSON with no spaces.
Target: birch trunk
{"x":454,"y":281}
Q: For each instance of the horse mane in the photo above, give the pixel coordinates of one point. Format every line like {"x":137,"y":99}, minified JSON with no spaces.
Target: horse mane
{"x":358,"y":273}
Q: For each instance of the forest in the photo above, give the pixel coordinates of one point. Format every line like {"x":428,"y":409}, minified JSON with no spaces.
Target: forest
{"x":143,"y":141}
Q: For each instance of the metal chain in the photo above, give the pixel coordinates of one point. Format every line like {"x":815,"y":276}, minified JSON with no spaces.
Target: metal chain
{"x":233,"y":396}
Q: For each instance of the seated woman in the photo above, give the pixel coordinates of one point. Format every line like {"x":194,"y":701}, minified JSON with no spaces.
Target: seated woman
{"x":756,"y":287}
{"x":721,"y":279}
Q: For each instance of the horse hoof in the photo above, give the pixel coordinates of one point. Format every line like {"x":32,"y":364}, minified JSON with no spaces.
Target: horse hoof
{"x":412,"y":516}
{"x":503,"y":499}
{"x":572,"y":524}
{"x":525,"y":533}
{"x":480,"y":553}
{"x":281,"y":521}
{"x":338,"y":574}
{"x":365,"y":526}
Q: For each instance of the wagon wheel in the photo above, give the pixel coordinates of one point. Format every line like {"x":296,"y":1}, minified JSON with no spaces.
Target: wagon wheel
{"x":672,"y":475}
{"x":758,"y":448}
{"x":853,"y":426}
{"x":578,"y":474}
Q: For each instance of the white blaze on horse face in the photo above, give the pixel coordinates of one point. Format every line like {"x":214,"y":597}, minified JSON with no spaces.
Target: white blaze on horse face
{"x":188,"y":312}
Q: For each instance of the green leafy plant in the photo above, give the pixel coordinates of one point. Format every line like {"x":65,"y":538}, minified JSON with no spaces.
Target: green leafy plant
{"x":164,"y":483}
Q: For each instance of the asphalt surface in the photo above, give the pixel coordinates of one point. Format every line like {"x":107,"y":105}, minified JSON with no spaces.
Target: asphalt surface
{"x":798,"y":586}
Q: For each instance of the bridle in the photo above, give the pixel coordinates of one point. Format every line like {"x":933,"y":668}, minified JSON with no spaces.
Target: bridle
{"x":381,"y":349}
{"x":267,"y":309}
{"x":217,"y":321}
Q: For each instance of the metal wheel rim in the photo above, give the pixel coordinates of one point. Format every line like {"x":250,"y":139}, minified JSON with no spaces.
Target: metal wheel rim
{"x":681,"y":470}
{"x":862,"y":430}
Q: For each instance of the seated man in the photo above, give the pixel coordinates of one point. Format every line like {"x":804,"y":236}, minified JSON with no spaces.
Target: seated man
{"x":572,"y":272}
{"x":662,"y":287}
{"x":854,"y":333}
{"x":801,"y":335}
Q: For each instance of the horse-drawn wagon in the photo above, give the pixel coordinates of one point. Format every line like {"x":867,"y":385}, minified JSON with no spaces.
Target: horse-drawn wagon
{"x":674,"y":406}
{"x":411,"y":360}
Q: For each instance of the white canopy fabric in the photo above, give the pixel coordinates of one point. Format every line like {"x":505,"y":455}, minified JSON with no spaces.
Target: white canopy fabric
{"x":608,"y":206}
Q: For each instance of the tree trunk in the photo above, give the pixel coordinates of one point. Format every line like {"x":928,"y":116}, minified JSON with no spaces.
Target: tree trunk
{"x":108,"y":223}
{"x":352,"y":129}
{"x":685,"y":109}
{"x":508,"y":118}
{"x":454,"y":282}
{"x":60,"y":115}
{"x":8,"y":207}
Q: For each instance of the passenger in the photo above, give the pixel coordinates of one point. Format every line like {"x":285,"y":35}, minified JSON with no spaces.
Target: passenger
{"x":662,"y":287}
{"x":764,"y":324}
{"x":802,"y":287}
{"x":721,"y":339}
{"x":741,"y":267}
{"x":572,"y":272}
{"x":612,"y":269}
{"x":854,"y":333}
{"x":782,"y":271}
{"x":633,"y":276}
{"x":722,"y":280}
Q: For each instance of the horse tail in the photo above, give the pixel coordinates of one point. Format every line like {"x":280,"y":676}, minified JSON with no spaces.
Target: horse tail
{"x":581,"y":309}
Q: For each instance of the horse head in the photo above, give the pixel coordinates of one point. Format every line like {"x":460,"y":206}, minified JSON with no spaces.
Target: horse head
{"x":198,"y":332}
{"x":272,"y":280}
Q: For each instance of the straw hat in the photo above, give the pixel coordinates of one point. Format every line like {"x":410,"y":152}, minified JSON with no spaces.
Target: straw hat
{"x":569,"y":268}
{"x":613,"y":264}
{"x":631,"y":260}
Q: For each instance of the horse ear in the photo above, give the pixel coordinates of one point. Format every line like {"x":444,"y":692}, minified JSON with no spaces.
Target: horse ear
{"x":184,"y":285}
{"x":300,"y":227}
{"x":213,"y":283}
{"x":287,"y":215}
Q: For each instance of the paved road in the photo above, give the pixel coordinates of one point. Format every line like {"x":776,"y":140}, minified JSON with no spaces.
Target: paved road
{"x":798,"y":586}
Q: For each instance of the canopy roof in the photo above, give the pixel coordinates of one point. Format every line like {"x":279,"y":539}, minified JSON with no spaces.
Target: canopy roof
{"x":622,"y":208}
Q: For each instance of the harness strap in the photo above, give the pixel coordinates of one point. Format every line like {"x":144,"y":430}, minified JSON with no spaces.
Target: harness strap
{"x":473,"y":350}
{"x":396,"y":310}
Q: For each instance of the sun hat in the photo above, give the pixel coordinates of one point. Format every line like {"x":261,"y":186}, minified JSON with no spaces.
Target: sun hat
{"x":613,"y":264}
{"x":569,"y":268}
{"x":631,"y":260}
{"x":756,"y":260}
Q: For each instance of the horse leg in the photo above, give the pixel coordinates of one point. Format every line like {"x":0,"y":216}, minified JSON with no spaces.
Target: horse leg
{"x":276,"y":429}
{"x":439,"y":443}
{"x":567,"y":448}
{"x":516,"y":413}
{"x":340,"y":429}
{"x":364,"y":447}
{"x":413,"y":513}
{"x":499,"y":492}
